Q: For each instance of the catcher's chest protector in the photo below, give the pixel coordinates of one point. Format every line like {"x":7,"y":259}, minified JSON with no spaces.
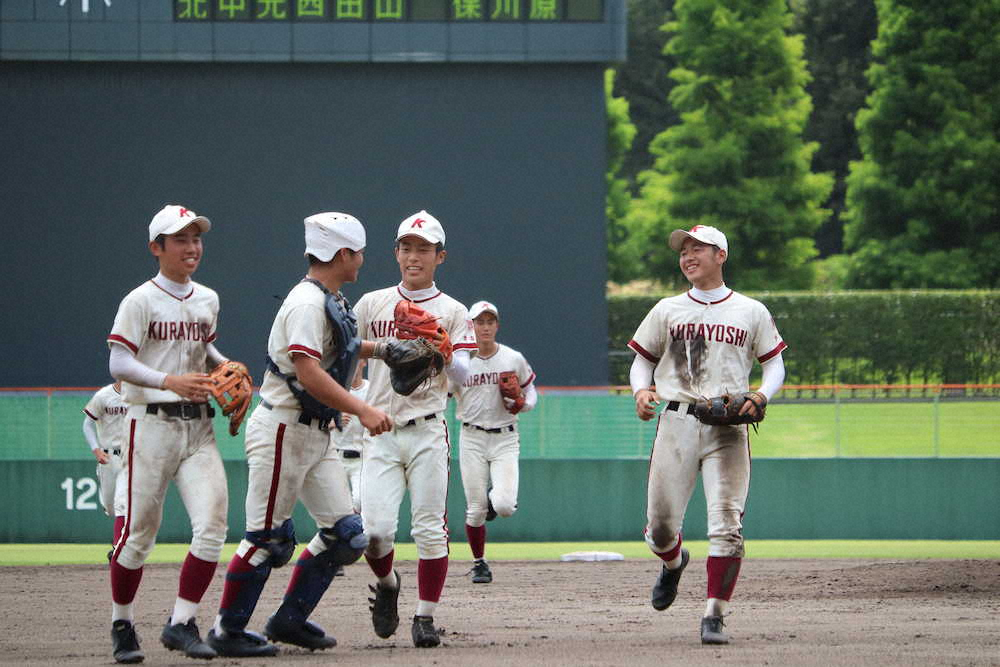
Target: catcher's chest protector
{"x":345,"y":336}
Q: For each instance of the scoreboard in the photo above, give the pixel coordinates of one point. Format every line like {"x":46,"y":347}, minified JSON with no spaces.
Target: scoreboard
{"x":389,"y":10}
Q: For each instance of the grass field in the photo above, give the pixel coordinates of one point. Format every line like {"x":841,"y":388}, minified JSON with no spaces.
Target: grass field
{"x":69,"y":554}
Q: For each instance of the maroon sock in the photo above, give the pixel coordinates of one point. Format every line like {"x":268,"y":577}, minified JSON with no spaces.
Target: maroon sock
{"x":722,"y":575}
{"x":297,"y":571}
{"x":238,"y":565}
{"x":124,"y":583}
{"x":431,"y":574}
{"x":119,"y":526}
{"x":196,"y":575}
{"x":381,"y":566}
{"x":668,"y":556}
{"x":477,"y":539}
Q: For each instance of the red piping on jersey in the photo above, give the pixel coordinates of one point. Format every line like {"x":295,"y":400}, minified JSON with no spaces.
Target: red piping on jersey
{"x":704,"y":303}
{"x":465,"y":346}
{"x":275,"y":477}
{"x":640,"y":350}
{"x":86,"y":412}
{"x":529,"y":381}
{"x":447,"y":534}
{"x":115,"y":338}
{"x":417,"y":300}
{"x":305,"y":350}
{"x":179,"y":298}
{"x":773,"y":353}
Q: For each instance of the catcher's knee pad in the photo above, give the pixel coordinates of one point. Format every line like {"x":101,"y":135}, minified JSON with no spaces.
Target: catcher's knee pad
{"x":346,"y":541}
{"x":245,"y":589}
{"x":278,"y":542}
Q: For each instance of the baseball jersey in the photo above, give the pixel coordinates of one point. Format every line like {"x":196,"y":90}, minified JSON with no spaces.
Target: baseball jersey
{"x":376,"y":323}
{"x":107,"y":409}
{"x":301,"y":327}
{"x":705,"y":349}
{"x":166,"y":333}
{"x":478,"y":399}
{"x":353,"y":435}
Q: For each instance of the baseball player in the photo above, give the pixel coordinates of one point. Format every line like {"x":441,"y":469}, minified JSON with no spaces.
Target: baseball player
{"x":103,"y":430}
{"x":352,"y":440}
{"x":413,"y":456}
{"x":490,"y":443}
{"x":312,"y":351}
{"x":161,"y":347}
{"x":701,"y":344}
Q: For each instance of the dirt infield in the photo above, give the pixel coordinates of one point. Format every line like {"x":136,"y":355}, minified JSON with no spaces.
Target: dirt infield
{"x":785,"y":612}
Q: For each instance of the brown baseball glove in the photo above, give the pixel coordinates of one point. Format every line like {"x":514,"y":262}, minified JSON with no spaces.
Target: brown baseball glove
{"x":412,"y":321}
{"x":725,"y":410}
{"x":510,"y":390}
{"x":233,"y":389}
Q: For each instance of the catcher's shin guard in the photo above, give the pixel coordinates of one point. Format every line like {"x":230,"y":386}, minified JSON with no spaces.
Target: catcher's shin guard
{"x":242,"y":591}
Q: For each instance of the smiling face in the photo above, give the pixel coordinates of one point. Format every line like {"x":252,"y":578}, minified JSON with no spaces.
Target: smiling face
{"x":417,"y":260}
{"x":180,"y":254}
{"x":352,"y":263}
{"x":702,"y":264}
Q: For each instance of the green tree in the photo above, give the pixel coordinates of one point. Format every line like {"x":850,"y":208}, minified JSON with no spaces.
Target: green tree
{"x":737,"y":160}
{"x":621,"y":132}
{"x":644,"y":80}
{"x":838,"y":36}
{"x":923,"y":207}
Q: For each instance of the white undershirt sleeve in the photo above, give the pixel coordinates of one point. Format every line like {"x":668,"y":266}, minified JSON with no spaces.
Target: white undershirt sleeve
{"x":640,"y":376}
{"x":214,"y":356}
{"x":124,"y":366}
{"x":458,"y":369}
{"x":90,"y":433}
{"x":530,"y":398}
{"x":773,"y":376}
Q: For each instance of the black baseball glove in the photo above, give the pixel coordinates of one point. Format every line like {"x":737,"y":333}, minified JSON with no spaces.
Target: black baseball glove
{"x":725,"y":410}
{"x":411,"y":363}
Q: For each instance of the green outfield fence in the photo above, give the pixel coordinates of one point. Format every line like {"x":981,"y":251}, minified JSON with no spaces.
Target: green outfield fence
{"x":814,"y":421}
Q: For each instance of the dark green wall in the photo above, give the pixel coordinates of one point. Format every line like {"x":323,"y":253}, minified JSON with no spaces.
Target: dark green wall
{"x":510,"y":157}
{"x":604,"y":500}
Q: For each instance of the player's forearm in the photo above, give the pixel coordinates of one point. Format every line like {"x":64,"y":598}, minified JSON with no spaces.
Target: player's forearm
{"x":530,"y":397}
{"x":773,"y":376}
{"x":90,"y":433}
{"x":640,"y":376}
{"x":458,"y":369}
{"x":124,"y":366}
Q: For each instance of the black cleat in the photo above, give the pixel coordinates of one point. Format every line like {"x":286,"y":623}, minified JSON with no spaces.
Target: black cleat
{"x":241,"y":644}
{"x":490,"y":512}
{"x":339,"y":571}
{"x":425,"y":635}
{"x":308,"y":635}
{"x":385,"y":608}
{"x":185,"y":637}
{"x":481,"y":572}
{"x":711,"y":631}
{"x":665,"y":588}
{"x":125,"y":643}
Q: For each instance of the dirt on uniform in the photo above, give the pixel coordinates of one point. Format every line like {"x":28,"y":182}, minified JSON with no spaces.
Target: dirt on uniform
{"x":784,"y":612}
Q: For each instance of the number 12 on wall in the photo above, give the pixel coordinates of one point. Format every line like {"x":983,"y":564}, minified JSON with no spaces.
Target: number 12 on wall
{"x":87,"y":487}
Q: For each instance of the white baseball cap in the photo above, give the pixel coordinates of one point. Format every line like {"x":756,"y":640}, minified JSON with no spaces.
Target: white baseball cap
{"x":703,"y":233}
{"x":173,"y":218}
{"x":424,"y":225}
{"x":480,"y":307}
{"x":326,"y":233}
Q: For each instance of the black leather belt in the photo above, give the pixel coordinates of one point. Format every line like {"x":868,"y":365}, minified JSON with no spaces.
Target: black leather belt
{"x":181,"y":410}
{"x":305,"y":419}
{"x":676,"y":405}
{"x":427,"y":418}
{"x":350,"y":453}
{"x":117,"y":451}
{"x":499,"y":429}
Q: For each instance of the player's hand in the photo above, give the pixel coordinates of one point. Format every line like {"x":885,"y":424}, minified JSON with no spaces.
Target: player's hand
{"x":345,"y":419}
{"x":646,"y":401}
{"x":375,"y":421}
{"x":749,"y":406}
{"x":195,"y":387}
{"x":101,"y":456}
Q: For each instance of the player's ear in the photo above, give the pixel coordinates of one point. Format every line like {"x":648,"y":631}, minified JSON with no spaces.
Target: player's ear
{"x":155,"y":248}
{"x":440,"y":257}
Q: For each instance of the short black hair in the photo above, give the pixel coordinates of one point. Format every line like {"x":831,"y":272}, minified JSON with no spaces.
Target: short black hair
{"x":161,"y":240}
{"x":438,"y":246}
{"x":313,"y":260}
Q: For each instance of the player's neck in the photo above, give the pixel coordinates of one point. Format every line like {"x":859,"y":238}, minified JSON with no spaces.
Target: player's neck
{"x":418,"y":290}
{"x":708,"y":284}
{"x":178,"y":277}
{"x":327,"y":276}
{"x":487,"y":348}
